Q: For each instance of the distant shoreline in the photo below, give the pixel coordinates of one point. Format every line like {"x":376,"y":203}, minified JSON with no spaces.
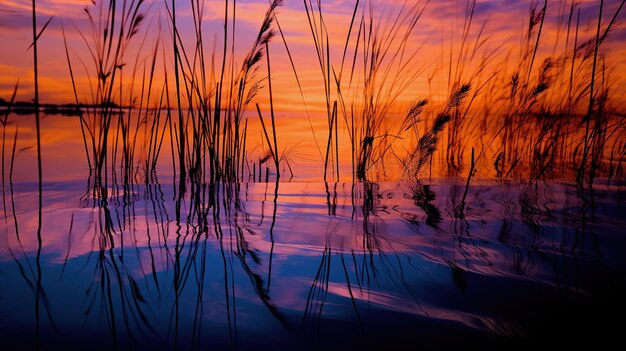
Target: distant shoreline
{"x":28,"y":107}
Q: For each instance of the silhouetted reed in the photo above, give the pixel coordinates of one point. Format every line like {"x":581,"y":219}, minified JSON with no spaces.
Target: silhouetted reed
{"x":379,"y":71}
{"x":514,"y":113}
{"x":4,"y":120}
{"x":112,"y":29}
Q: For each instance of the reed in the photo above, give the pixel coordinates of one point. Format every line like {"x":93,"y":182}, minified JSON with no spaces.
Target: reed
{"x":517,"y":108}
{"x":363,"y":90}
{"x":112,"y":28}
{"x":216,"y":116}
{"x":595,"y":139}
{"x":39,"y":289}
{"x":4,"y":120}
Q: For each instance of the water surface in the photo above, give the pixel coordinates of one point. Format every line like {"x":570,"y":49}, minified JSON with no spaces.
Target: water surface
{"x":303,"y":264}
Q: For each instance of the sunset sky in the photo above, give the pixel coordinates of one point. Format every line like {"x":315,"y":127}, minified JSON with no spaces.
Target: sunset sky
{"x":435,"y":36}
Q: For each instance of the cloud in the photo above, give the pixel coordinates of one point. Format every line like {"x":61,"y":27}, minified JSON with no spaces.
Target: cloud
{"x":438,"y":34}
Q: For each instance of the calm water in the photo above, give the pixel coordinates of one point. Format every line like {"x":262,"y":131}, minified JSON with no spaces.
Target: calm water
{"x":391,"y":265}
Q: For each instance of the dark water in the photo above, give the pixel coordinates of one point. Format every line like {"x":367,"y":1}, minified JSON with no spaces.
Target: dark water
{"x":313,"y":266}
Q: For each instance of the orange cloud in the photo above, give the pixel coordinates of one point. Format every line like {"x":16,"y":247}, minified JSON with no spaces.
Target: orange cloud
{"x":437,"y":38}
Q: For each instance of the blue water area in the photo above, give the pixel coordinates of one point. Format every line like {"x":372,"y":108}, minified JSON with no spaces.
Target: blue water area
{"x":313,"y":266}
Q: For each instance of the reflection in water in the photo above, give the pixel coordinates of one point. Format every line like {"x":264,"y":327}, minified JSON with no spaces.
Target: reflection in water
{"x":290,"y":265}
{"x":125,"y":262}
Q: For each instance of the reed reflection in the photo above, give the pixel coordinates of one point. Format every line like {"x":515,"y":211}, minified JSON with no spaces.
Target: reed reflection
{"x":151,"y":269}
